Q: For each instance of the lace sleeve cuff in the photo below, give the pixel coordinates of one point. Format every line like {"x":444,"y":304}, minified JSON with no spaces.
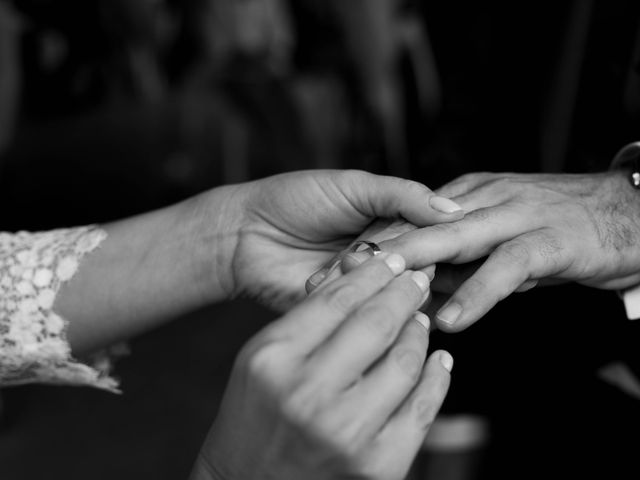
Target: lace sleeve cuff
{"x":33,"y":344}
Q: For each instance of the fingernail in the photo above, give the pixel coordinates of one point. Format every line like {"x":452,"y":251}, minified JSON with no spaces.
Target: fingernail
{"x":395,"y":262}
{"x":444,"y":205}
{"x":449,"y":313}
{"x":356,"y":258}
{"x":421,"y":279}
{"x":315,"y":280}
{"x":431,"y":272}
{"x":422,"y":319}
{"x":446,"y":360}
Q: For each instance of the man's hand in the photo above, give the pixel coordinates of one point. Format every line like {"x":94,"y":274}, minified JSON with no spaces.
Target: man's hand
{"x":292,"y":224}
{"x":523,"y":228}
{"x":337,"y":388}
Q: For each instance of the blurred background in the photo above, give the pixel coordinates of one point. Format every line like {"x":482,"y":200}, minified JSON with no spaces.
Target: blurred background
{"x":109,"y":108}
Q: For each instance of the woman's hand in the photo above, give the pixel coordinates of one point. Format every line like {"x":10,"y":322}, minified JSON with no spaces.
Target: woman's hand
{"x":337,"y":388}
{"x":294,"y":223}
{"x":261,"y":239}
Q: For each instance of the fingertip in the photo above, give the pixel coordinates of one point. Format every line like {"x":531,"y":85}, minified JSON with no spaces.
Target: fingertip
{"x":315,"y":280}
{"x":423,"y":320}
{"x":448,"y":328}
{"x":430,"y":271}
{"x":446,"y":360}
{"x":394,"y":261}
{"x":449,"y":315}
{"x":446,"y":206}
{"x":421,"y":279}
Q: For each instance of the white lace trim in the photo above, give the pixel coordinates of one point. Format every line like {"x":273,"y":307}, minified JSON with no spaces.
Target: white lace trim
{"x":33,"y":344}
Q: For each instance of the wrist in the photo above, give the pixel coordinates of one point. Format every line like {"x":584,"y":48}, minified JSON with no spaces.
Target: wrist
{"x":217,"y":219}
{"x":619,"y":226}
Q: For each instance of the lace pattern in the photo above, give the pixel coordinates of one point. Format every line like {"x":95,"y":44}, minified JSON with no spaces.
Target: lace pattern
{"x":33,"y":344}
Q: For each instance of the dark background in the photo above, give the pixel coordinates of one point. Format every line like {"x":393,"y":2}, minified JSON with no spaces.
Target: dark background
{"x":122,"y":107}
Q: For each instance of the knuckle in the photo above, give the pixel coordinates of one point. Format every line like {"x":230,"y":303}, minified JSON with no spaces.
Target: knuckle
{"x":466,"y":178}
{"x":416,"y":187}
{"x":300,"y":407}
{"x":481,"y":214}
{"x":443,"y":231}
{"x":514,"y":252}
{"x":336,"y":434}
{"x":347,"y":440}
{"x":425,"y":412}
{"x":342,"y":298}
{"x":408,"y":361}
{"x":474,"y":287}
{"x":469,"y":178}
{"x":502,"y":180}
{"x":549,"y":248}
{"x":261,"y":360}
{"x":501,"y":187}
{"x":378,"y":321}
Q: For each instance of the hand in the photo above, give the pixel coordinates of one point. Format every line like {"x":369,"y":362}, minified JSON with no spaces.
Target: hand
{"x":337,"y":388}
{"x":294,"y":223}
{"x":522,"y":229}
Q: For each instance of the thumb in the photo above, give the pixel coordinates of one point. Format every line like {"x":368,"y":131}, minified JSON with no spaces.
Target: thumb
{"x":391,"y":197}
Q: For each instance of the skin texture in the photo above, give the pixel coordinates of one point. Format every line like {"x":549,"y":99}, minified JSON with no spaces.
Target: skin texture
{"x":294,"y":223}
{"x":260,"y":239}
{"x":523,"y":229}
{"x":337,"y":388}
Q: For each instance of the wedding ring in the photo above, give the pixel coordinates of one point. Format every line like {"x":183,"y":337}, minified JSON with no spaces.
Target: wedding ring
{"x":318,"y":277}
{"x":372,"y":246}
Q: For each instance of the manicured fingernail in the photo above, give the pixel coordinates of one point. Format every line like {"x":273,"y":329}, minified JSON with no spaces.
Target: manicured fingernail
{"x":422,"y":319}
{"x":356,"y":258}
{"x":449,"y":313}
{"x":421,"y":279}
{"x":444,"y":205}
{"x":446,"y":360}
{"x":315,"y":280}
{"x":395,"y":262}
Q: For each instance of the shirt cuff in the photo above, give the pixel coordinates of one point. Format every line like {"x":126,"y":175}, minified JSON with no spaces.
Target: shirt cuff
{"x":630,"y":296}
{"x":625,"y":154}
{"x":631,"y":300}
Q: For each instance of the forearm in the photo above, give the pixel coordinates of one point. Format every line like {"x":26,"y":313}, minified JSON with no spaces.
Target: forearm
{"x":151,"y":268}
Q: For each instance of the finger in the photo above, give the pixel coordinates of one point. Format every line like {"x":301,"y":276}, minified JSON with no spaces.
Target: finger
{"x":450,"y":277}
{"x":390,"y":197}
{"x":402,"y":436}
{"x":380,"y":229}
{"x":384,"y":387}
{"x":328,"y":272}
{"x":512,"y":264}
{"x":469,"y":239}
{"x":352,"y":260}
{"x":526,"y":286}
{"x":310,"y":323}
{"x":367,"y":334}
{"x":464,"y":184}
{"x":383,"y":229}
{"x":500,"y":189}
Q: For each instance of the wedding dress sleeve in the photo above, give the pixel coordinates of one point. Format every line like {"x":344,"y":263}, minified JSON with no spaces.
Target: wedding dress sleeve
{"x":33,"y":343}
